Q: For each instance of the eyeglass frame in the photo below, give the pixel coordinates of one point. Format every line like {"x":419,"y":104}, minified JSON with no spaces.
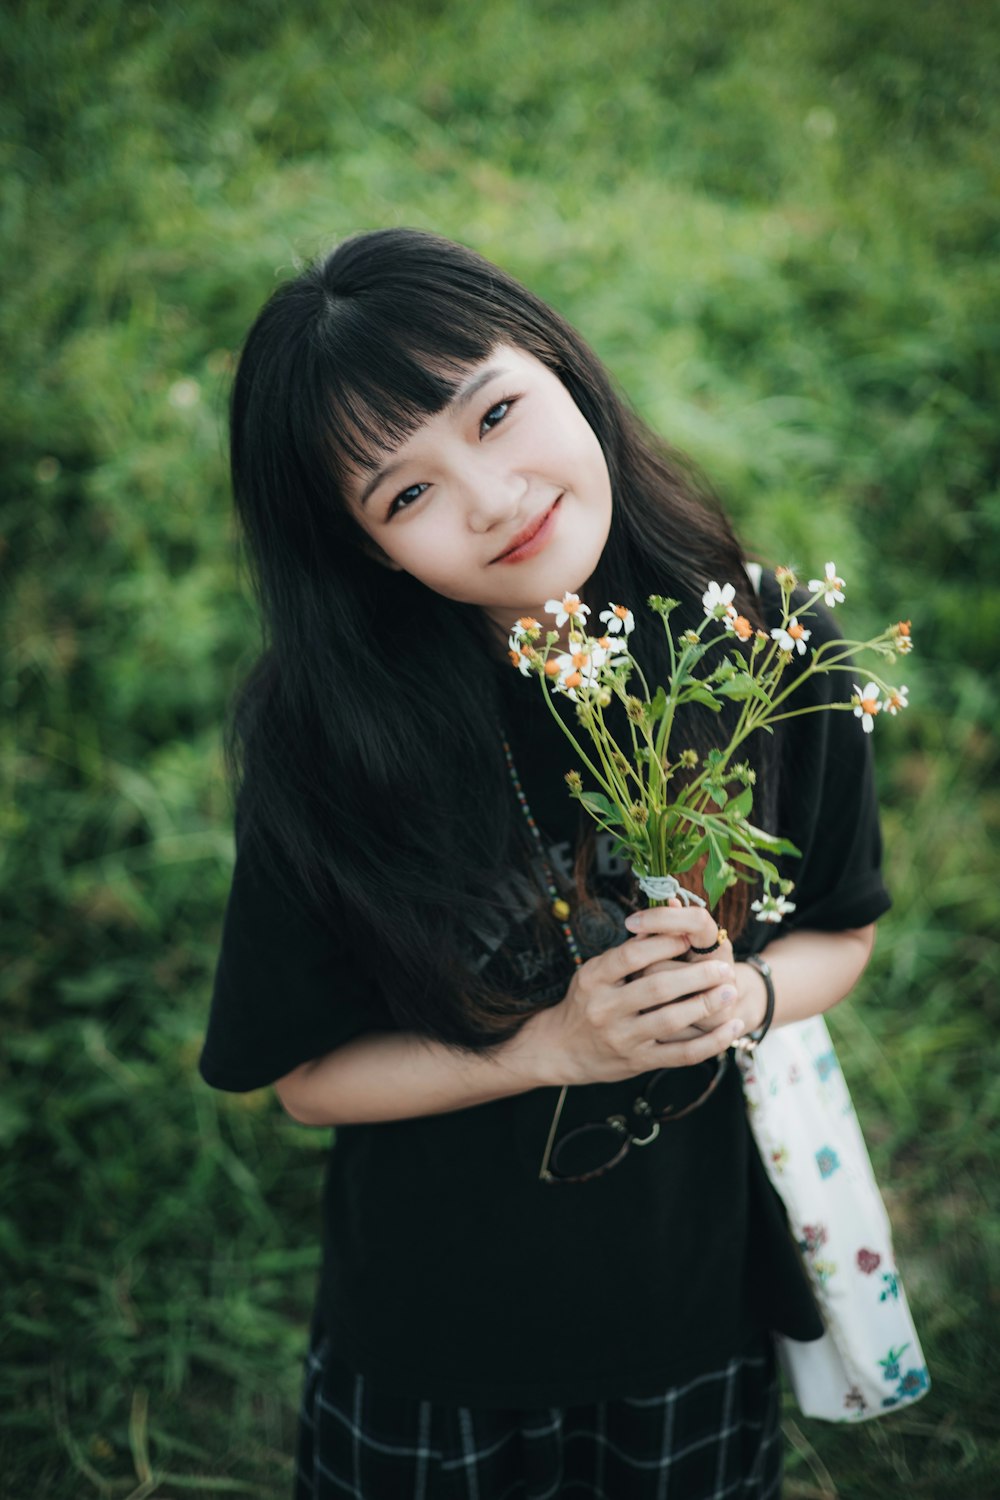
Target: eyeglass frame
{"x":619,"y":1123}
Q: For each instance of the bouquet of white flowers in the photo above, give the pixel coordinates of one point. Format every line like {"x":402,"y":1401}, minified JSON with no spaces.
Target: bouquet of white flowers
{"x":669,"y":809}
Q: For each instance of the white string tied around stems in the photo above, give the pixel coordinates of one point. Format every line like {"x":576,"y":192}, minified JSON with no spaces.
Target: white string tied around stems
{"x":666,"y":888}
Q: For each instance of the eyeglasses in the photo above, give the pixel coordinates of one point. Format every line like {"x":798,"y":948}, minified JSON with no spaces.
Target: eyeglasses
{"x":591,"y":1150}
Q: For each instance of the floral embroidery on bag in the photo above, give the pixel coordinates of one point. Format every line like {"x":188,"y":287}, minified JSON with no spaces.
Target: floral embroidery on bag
{"x":890,"y":1365}
{"x":911,"y":1385}
{"x":912,"y":1382}
{"x":868,"y":1261}
{"x":826,"y":1065}
{"x":890,"y":1289}
{"x":827,"y":1160}
{"x":854,"y":1401}
{"x":779,"y":1158}
{"x":813,"y":1236}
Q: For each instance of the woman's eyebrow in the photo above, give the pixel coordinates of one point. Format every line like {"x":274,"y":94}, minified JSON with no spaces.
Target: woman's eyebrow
{"x":461,"y":398}
{"x":465,"y":393}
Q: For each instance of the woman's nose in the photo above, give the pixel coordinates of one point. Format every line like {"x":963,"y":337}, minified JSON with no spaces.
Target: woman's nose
{"x":494,"y":497}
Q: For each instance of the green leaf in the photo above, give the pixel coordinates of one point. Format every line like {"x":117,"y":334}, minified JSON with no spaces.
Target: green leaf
{"x":742,"y":803}
{"x":687,"y":861}
{"x":755,"y":862}
{"x":769,"y":841}
{"x":696,"y":692}
{"x":601,"y":807}
{"x":716,"y":877}
{"x":658,"y":707}
{"x":742,"y":687}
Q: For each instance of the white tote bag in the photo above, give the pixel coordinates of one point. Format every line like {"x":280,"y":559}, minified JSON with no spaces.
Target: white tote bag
{"x":869,"y":1362}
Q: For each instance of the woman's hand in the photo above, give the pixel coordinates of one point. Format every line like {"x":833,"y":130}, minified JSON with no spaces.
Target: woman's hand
{"x":751,"y":999}
{"x":642,"y":1005}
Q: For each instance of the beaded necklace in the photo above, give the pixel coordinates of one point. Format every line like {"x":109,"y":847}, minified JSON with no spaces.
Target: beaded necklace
{"x":560,"y":908}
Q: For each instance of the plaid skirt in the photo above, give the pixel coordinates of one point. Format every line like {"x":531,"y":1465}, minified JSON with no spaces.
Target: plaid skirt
{"x":716,"y":1437}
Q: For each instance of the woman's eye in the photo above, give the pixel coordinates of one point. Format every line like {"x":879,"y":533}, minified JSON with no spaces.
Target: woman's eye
{"x":406,"y":497}
{"x":496,"y":414}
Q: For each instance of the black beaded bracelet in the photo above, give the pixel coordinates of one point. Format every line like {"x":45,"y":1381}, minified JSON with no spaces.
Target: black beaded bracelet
{"x":753,"y":1038}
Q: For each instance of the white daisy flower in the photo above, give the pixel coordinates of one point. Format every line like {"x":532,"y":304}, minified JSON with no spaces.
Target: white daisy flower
{"x":832,"y":586}
{"x":518,"y":650}
{"x":568,"y":607}
{"x":793,"y":637}
{"x":617,"y":618}
{"x":718,"y":602}
{"x":526,"y":628}
{"x":580,"y":667}
{"x":738,"y":625}
{"x":772,"y":908}
{"x":904,"y":640}
{"x":866,"y":706}
{"x":898,"y":698}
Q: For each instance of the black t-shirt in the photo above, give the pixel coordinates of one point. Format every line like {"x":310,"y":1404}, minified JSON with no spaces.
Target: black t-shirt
{"x":450,"y":1272}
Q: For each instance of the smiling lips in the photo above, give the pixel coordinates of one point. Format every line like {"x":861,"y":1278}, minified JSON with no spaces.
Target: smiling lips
{"x":533,"y":538}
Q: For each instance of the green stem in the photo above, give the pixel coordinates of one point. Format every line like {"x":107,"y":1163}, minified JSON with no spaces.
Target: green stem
{"x":572,"y":738}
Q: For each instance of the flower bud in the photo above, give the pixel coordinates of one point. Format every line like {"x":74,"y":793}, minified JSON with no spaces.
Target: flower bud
{"x":573,"y":781}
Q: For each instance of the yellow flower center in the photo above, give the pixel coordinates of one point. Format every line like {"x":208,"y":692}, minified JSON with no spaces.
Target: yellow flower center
{"x":796,"y":632}
{"x":620,"y":611}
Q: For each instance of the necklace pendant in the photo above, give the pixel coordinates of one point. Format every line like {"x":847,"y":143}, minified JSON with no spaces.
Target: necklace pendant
{"x":561,"y":909}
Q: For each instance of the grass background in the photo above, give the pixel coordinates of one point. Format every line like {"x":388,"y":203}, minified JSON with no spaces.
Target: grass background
{"x":779,"y":226}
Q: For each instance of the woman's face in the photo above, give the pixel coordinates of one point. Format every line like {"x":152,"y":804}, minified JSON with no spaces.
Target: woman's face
{"x":503,"y":499}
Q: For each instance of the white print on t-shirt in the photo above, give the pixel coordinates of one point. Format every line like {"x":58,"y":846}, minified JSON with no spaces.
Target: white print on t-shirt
{"x":518,"y":901}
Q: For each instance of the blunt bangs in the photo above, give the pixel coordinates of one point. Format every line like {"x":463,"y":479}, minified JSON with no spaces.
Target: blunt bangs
{"x":388,"y":356}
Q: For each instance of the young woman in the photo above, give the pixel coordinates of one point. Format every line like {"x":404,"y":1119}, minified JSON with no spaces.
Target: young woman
{"x":424,"y":948}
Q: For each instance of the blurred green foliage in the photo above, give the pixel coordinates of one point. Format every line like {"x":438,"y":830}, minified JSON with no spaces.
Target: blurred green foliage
{"x":779,"y":225}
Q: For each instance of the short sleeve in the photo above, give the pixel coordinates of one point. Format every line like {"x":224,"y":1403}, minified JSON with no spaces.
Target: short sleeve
{"x":287,"y":987}
{"x":828,"y":806}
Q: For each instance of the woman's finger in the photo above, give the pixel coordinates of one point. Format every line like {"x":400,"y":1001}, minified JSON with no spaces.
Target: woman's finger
{"x":724,"y":951}
{"x":705,"y":1011}
{"x":673,"y":1052}
{"x":630,"y":958}
{"x":696,"y":923}
{"x":678,"y":983}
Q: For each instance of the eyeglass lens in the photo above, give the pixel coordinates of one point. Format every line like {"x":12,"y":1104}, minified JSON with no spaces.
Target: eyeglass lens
{"x":668,"y":1095}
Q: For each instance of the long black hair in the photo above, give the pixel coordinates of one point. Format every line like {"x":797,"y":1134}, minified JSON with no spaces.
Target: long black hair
{"x":346,"y":745}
